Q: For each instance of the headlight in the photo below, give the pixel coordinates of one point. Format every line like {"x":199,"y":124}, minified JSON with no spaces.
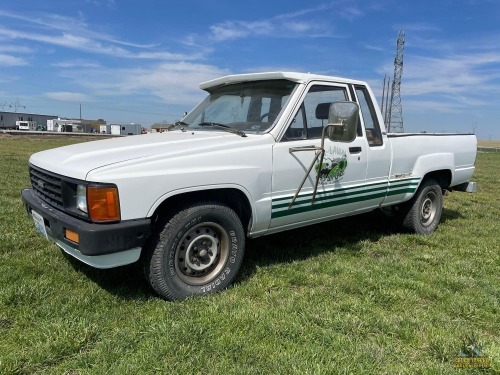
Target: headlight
{"x":81,"y":198}
{"x":100,"y":202}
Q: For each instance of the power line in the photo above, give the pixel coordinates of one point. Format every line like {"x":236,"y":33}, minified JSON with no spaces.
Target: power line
{"x":14,"y":105}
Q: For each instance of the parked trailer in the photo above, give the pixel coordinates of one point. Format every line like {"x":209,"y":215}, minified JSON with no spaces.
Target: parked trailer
{"x":115,"y":129}
{"x":131,"y":129}
{"x":126,"y":129}
{"x":26,"y":125}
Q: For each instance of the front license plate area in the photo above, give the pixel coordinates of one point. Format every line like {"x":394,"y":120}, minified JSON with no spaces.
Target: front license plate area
{"x":39,"y":223}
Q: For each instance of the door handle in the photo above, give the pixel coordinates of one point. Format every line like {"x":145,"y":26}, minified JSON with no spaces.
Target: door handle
{"x":302,"y":148}
{"x":354,"y":150}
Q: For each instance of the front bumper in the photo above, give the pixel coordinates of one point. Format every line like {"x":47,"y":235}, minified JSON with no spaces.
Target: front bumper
{"x":100,"y":245}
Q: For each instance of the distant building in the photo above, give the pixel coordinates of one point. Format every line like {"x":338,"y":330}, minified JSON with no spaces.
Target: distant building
{"x":8,"y":120}
{"x":77,"y":125}
{"x":160,"y":127}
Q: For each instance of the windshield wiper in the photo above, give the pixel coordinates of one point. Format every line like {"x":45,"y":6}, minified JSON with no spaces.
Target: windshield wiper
{"x":178,"y":123}
{"x":223,"y":127}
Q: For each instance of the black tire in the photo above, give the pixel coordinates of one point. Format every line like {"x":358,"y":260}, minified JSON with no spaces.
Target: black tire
{"x":199,"y":250}
{"x":422,"y":213}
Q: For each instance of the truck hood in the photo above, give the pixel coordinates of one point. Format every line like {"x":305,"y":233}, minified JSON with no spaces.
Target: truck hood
{"x":76,"y":161}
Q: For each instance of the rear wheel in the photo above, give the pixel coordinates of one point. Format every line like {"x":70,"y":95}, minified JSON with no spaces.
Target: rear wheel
{"x":422,"y":214}
{"x":199,"y":250}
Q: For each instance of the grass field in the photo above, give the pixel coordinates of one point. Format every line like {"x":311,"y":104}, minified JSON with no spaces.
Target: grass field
{"x":348,"y":296}
{"x":488,"y":143}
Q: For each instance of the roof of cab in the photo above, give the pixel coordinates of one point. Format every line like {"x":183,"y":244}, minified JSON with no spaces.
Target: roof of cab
{"x":291,"y":76}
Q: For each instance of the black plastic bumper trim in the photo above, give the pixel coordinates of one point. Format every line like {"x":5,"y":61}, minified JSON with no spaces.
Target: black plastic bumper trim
{"x":95,"y":239}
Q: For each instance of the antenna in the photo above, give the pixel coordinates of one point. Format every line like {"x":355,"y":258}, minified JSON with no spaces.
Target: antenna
{"x":395,"y":117}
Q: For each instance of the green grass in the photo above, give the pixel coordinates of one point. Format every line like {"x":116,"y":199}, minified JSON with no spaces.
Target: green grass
{"x":347,"y":296}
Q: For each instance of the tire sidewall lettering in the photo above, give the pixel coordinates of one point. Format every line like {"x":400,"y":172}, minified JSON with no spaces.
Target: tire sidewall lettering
{"x":215,"y":283}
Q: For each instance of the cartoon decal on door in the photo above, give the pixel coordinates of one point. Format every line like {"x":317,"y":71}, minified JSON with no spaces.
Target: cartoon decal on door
{"x":333,"y":166}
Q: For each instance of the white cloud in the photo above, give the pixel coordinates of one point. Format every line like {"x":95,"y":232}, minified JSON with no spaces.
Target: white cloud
{"x":108,"y":3}
{"x":83,"y":43}
{"x":282,"y":25}
{"x":420,"y":27}
{"x":15,"y":48}
{"x":239,"y":29}
{"x":67,"y":96}
{"x":346,"y":9}
{"x":372,"y":47}
{"x":173,"y":83}
{"x":349,"y":12}
{"x":76,"y":64}
{"x":8,"y":60}
{"x":74,"y":33}
{"x":299,"y":26}
{"x":231,"y":30}
{"x":453,"y":74}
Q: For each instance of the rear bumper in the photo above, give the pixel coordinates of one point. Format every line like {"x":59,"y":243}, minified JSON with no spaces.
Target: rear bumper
{"x":98,"y":243}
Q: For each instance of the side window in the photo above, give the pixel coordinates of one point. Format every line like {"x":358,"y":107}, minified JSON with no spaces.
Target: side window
{"x":372,"y":127}
{"x":297,"y":129}
{"x":313,"y":113}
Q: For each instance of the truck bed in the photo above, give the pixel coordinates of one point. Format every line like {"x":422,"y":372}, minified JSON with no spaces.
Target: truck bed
{"x":420,"y":153}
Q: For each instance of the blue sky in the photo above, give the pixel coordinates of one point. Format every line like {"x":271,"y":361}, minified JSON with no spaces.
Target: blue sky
{"x":131,"y":61}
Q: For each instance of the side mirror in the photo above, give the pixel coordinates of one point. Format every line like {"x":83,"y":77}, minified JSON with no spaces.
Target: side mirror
{"x":342,"y":121}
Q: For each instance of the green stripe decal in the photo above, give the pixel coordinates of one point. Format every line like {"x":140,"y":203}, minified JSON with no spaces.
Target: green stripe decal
{"x":338,"y":197}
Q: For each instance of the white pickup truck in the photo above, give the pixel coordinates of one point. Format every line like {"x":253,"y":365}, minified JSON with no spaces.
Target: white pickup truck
{"x":263,"y":153}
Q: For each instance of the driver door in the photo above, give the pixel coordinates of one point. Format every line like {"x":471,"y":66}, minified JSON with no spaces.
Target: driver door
{"x":341,"y":174}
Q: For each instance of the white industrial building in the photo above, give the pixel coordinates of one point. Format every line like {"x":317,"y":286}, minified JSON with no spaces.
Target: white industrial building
{"x":11,"y":120}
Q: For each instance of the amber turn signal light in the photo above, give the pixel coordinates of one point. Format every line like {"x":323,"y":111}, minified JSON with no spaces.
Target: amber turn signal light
{"x":72,"y":236}
{"x":103,"y":203}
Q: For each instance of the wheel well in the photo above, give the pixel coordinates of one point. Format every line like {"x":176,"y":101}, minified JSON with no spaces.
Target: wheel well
{"x":233,"y":198}
{"x":442,"y":177}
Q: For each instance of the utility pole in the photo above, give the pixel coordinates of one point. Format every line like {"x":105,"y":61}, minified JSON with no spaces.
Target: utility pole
{"x":395,"y":116}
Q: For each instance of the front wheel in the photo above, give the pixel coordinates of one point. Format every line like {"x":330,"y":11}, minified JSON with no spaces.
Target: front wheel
{"x":423,"y":212}
{"x":199,"y":250}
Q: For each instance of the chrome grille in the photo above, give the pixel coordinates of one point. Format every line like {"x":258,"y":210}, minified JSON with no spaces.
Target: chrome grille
{"x":47,"y":186}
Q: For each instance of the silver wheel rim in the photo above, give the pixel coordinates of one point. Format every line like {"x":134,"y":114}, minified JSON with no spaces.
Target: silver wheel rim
{"x":202,"y":253}
{"x":428,"y":209}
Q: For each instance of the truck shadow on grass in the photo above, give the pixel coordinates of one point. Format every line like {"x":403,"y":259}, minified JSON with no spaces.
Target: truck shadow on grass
{"x":351,"y":233}
{"x":126,"y":282}
{"x":305,"y":242}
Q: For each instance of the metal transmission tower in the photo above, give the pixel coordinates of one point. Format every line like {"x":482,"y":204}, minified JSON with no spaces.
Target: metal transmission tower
{"x":15,"y":105}
{"x":385,"y":96}
{"x":394,"y":120}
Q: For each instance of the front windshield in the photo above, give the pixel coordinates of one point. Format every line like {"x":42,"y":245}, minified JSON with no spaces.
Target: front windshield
{"x":247,"y":106}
